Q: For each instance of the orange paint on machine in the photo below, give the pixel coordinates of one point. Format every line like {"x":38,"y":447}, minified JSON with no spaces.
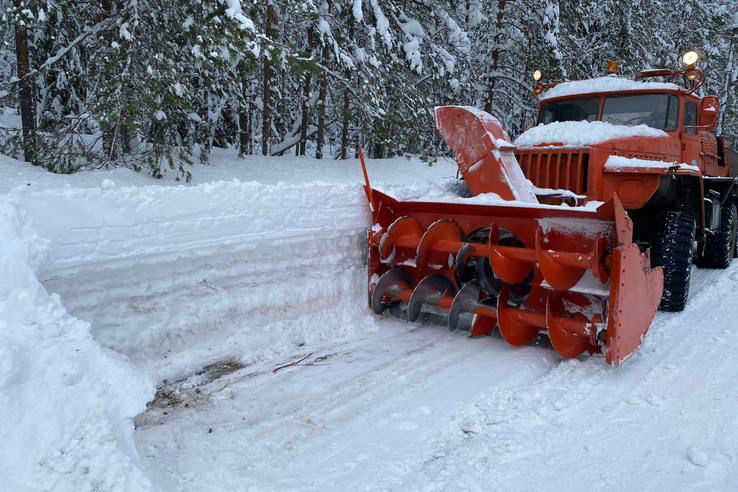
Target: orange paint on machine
{"x":598,"y":213}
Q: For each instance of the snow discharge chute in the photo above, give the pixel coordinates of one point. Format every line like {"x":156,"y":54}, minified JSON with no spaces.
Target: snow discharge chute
{"x":525,"y":268}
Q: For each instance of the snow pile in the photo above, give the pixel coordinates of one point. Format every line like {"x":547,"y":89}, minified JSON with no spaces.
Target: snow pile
{"x":579,"y":133}
{"x":616,"y":163}
{"x":66,"y":404}
{"x":604,"y":84}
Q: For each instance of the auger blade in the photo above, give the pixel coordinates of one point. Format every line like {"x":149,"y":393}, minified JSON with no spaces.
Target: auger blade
{"x":434,"y":290}
{"x":441,"y":233}
{"x":571,"y":333}
{"x":515,"y":325}
{"x":482,"y":326}
{"x":405,"y":230}
{"x":468,"y":303}
{"x":462,"y":271}
{"x":558,"y":275}
{"x":499,"y":270}
{"x":393,"y":287}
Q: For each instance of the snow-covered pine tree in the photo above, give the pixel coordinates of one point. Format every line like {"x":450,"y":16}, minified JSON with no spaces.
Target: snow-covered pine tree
{"x":150,"y":83}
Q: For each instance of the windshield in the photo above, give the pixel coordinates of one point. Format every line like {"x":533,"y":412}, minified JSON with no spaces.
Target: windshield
{"x":580,"y":109}
{"x":655,"y":110}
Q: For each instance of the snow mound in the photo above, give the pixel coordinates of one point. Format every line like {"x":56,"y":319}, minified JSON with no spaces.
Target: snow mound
{"x":579,"y":133}
{"x":604,"y":84}
{"x":66,"y":404}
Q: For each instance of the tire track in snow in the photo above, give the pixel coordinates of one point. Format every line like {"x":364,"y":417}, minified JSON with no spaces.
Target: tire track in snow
{"x":616,"y":430}
{"x":365,"y":411}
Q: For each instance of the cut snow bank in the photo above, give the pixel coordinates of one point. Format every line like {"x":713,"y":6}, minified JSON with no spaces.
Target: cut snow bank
{"x":604,"y":84}
{"x":66,"y":404}
{"x":178,"y":277}
{"x":579,"y":133}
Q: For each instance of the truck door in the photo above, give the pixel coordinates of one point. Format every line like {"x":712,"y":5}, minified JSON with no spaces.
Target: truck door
{"x":691,"y":144}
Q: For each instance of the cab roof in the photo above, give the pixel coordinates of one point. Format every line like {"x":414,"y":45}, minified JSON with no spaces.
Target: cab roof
{"x":610,"y":83}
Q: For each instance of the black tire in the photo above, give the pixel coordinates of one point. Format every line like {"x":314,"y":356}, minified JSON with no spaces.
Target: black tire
{"x":720,"y":248}
{"x":735,"y":236}
{"x":671,"y":249}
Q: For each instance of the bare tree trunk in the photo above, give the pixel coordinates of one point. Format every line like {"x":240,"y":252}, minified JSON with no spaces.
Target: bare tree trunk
{"x":729,"y":74}
{"x":28,"y":117}
{"x":109,"y":131}
{"x":345,"y":127}
{"x":252,"y":104}
{"x":244,"y":114}
{"x":306,"y":97}
{"x":495,"y":56}
{"x":321,"y":116}
{"x":346,"y":101}
{"x":321,"y":108}
{"x":266,"y":129}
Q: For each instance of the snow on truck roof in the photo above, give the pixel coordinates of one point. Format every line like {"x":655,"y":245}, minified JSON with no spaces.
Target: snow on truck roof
{"x":604,"y":84}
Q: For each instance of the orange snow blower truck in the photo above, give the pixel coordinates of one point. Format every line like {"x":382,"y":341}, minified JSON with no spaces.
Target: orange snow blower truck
{"x":581,"y":230}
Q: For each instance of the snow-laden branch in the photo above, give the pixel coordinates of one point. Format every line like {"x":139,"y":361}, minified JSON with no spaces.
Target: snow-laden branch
{"x":99,"y":27}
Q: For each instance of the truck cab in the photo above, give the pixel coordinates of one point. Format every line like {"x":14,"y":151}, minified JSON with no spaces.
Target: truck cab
{"x":683,"y":136}
{"x":651,"y":143}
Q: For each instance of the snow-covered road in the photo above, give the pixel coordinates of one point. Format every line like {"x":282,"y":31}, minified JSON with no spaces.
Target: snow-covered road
{"x":246,"y":302}
{"x":413,"y":407}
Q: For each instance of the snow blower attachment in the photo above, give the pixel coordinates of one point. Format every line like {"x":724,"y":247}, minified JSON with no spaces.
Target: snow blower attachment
{"x":526,"y":268}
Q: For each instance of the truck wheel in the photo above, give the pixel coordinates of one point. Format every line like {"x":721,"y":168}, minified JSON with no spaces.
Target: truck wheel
{"x":735,"y":234}
{"x":720,"y":247}
{"x":671,"y":249}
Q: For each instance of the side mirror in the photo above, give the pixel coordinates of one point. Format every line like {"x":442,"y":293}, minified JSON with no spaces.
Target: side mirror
{"x":709,"y":112}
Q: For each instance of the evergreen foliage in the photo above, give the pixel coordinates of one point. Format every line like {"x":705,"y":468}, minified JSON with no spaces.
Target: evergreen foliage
{"x":154,"y":84}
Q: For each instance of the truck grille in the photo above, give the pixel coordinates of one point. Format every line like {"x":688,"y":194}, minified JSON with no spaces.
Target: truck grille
{"x":558,"y":169}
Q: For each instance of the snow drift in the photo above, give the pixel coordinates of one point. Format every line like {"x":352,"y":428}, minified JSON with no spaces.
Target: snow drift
{"x":66,"y":404}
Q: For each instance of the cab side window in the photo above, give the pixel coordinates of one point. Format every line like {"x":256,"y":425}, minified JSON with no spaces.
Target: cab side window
{"x":690,"y":118}
{"x":672,"y":114}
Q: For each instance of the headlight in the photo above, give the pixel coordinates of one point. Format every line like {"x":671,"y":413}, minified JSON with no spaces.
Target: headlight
{"x":690,"y":58}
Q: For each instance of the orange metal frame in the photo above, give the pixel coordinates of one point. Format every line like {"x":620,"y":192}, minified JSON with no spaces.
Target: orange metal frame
{"x":418,"y":249}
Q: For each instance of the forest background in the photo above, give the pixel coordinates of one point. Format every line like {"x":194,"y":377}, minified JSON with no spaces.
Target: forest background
{"x":154,"y":85}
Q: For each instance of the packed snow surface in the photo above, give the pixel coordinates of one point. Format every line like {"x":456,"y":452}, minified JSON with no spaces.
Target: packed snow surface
{"x":246,"y":301}
{"x":604,"y":84}
{"x":580,"y":133}
{"x":616,"y":163}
